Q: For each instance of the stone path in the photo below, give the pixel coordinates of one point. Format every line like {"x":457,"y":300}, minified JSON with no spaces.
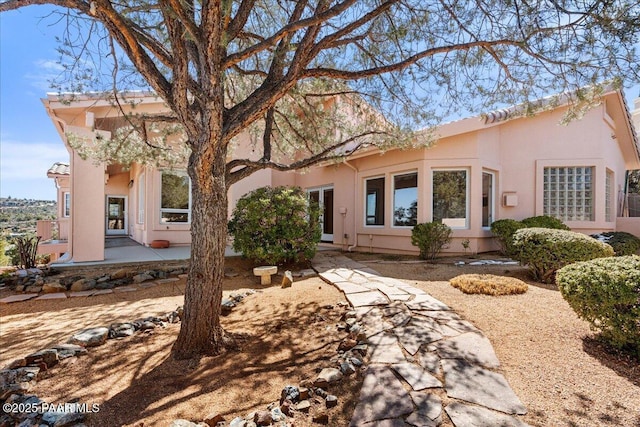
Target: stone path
{"x":421,"y":352}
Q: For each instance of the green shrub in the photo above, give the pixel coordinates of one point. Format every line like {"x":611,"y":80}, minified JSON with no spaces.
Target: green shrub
{"x":276,"y":225}
{"x":544,"y":221}
{"x":606,"y":293}
{"x":621,"y":242}
{"x":430,"y":237}
{"x":488,"y":284}
{"x":4,"y":259}
{"x":545,"y":250}
{"x":504,"y":229}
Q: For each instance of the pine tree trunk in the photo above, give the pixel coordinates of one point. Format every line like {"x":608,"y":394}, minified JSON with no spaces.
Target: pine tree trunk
{"x":200,"y":330}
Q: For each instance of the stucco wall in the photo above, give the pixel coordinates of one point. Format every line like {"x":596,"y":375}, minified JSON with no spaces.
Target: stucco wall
{"x":86,"y":234}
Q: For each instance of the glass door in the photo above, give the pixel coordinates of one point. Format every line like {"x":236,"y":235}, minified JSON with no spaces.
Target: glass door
{"x":324,"y":197}
{"x":116,"y":215}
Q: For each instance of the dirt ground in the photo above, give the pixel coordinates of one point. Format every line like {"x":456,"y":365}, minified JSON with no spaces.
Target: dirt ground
{"x":548,"y":355}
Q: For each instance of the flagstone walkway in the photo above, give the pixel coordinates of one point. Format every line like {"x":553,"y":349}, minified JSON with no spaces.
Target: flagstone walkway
{"x":424,"y":358}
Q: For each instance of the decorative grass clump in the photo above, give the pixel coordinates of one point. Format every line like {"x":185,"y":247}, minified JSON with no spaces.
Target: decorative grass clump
{"x":488,"y":284}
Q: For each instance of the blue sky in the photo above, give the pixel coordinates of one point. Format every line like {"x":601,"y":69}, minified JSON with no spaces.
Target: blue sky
{"x":29,"y":143}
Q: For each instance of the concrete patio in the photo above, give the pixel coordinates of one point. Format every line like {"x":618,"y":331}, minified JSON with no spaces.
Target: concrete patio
{"x":134,"y":253}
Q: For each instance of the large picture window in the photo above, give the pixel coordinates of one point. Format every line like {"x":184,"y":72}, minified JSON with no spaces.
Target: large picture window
{"x":374,"y":203}
{"x":405,"y":200}
{"x":175,"y":205}
{"x":568,"y":193}
{"x":450,"y":198}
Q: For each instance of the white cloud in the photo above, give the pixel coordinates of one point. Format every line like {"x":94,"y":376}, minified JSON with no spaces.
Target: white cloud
{"x":45,"y":70}
{"x":23,"y":168}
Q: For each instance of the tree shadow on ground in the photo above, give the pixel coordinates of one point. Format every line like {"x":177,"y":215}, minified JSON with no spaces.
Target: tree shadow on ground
{"x":282,"y":344}
{"x":622,"y":364}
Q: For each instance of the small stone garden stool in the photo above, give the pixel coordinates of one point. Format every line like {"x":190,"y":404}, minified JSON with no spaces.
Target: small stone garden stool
{"x":265,"y":273}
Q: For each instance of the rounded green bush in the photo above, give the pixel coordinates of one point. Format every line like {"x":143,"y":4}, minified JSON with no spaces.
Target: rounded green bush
{"x":544,"y":221}
{"x":606,"y":293}
{"x":430,"y":237}
{"x":545,"y":250}
{"x":621,"y":242}
{"x":504,"y":229}
{"x":276,"y":225}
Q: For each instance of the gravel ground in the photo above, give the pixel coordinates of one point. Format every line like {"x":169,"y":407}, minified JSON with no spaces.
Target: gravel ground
{"x":550,"y":357}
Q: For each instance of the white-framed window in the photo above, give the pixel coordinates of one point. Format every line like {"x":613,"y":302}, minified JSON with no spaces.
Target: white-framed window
{"x":488,"y":197}
{"x":66,"y":207}
{"x":405,"y":199}
{"x":450,"y":197}
{"x":141,"y":197}
{"x":609,"y":209}
{"x":374,"y":201}
{"x":175,"y":197}
{"x":568,"y":193}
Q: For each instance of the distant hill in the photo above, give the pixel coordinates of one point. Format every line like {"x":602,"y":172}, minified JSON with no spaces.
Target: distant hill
{"x":19,"y":216}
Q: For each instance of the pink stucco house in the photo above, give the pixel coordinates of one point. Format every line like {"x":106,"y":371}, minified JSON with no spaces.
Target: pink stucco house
{"x":480,"y":169}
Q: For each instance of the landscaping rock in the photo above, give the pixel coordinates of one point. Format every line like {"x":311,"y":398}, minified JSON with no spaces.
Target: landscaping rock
{"x":262,"y":418}
{"x":277,"y":415}
{"x":287,"y":279}
{"x":186,"y":423}
{"x":238,"y":422}
{"x":328,"y":376}
{"x":91,"y":337}
{"x":227,"y":305}
{"x":47,"y":356}
{"x":18,"y":380}
{"x":82,"y":285}
{"x":33,"y":288}
{"x":120,"y":274}
{"x":213,"y":419}
{"x":331,"y":401}
{"x":69,"y":350}
{"x":143,"y":277}
{"x":291,"y":393}
{"x":303,"y":406}
{"x":63,"y":419}
{"x":53,"y":287}
{"x":304,"y":393}
{"x":105,"y":285}
{"x":121,"y":330}
{"x":347,"y":369}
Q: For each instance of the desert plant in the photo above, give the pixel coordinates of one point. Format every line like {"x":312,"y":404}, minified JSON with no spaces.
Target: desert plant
{"x":27,"y":247}
{"x":430,"y":238}
{"x":544,"y":221}
{"x":488,"y":284}
{"x":276,"y":225}
{"x":622,"y":243}
{"x":503,"y":230}
{"x":545,"y":250}
{"x":606,"y":293}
